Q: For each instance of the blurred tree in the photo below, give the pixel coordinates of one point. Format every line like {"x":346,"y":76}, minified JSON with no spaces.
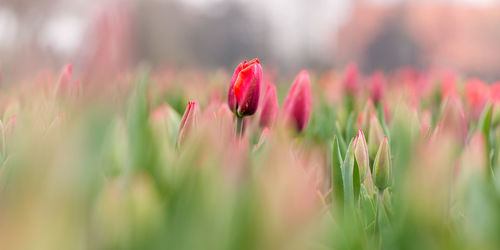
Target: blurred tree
{"x":392,"y":47}
{"x":172,"y":33}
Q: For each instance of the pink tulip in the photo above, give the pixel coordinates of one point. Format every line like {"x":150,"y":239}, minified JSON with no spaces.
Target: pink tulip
{"x":377,"y":89}
{"x":477,"y":94}
{"x":351,"y":79}
{"x":270,"y":107}
{"x":297,"y":106}
{"x":244,"y":90}
{"x":495,"y":92}
{"x":453,"y":118}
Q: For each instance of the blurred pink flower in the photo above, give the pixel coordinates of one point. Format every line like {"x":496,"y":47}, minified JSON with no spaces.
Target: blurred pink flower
{"x":476,"y":94}
{"x":495,"y":92}
{"x":270,"y":107}
{"x":351,"y":79}
{"x":297,"y":106}
{"x":377,"y":87}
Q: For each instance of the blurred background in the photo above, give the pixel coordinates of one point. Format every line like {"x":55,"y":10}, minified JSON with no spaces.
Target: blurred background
{"x":110,"y":36}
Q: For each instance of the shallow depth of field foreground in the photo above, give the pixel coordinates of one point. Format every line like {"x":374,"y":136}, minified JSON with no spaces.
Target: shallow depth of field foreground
{"x":165,"y":159}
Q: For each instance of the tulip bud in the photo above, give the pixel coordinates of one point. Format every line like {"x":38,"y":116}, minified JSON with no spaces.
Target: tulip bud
{"x":297,"y":106}
{"x":495,"y":92}
{"x":244,"y":90}
{"x":350,"y":81}
{"x":189,"y":120}
{"x":364,"y":117}
{"x":477,"y":94}
{"x":377,"y":89}
{"x":375,"y":136}
{"x":361,"y":154}
{"x":270,"y":107}
{"x":382,"y":167}
{"x":453,"y":118}
{"x":448,"y":85}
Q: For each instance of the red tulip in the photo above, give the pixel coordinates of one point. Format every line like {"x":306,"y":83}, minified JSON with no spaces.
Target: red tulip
{"x":297,"y":106}
{"x":244,"y":90}
{"x":189,"y":120}
{"x":270,"y":107}
{"x":351,"y":79}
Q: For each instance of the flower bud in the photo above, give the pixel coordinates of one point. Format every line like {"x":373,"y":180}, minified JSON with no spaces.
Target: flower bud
{"x":364,"y":117}
{"x":189,"y":120}
{"x":244,"y":90}
{"x":377,"y":89}
{"x":361,"y":154}
{"x":350,"y":81}
{"x":375,"y":135}
{"x":270,"y":107}
{"x":382,"y":167}
{"x":453,"y":118}
{"x":477,"y":94}
{"x":297,"y":106}
{"x":495,"y":92}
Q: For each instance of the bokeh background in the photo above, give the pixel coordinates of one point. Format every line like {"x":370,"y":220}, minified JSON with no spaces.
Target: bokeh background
{"x":109,"y":36}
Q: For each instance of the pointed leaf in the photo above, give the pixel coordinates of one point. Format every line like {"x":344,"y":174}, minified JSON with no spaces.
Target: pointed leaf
{"x":347,"y":176}
{"x":337,"y":183}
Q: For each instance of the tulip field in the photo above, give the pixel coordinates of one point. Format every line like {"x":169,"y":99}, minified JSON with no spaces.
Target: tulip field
{"x":250,"y":159}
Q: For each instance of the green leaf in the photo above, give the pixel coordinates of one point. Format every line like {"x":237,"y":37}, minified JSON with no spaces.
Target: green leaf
{"x":337,"y":183}
{"x":356,"y":181}
{"x":484,"y":125}
{"x":367,"y":206}
{"x":485,"y":120}
{"x":381,"y":118}
{"x":347,"y":176}
{"x":349,"y":129}
{"x":341,"y":141}
{"x":139,"y":131}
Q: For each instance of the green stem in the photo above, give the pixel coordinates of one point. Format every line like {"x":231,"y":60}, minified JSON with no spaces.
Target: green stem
{"x":239,"y":126}
{"x":379,"y":203}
